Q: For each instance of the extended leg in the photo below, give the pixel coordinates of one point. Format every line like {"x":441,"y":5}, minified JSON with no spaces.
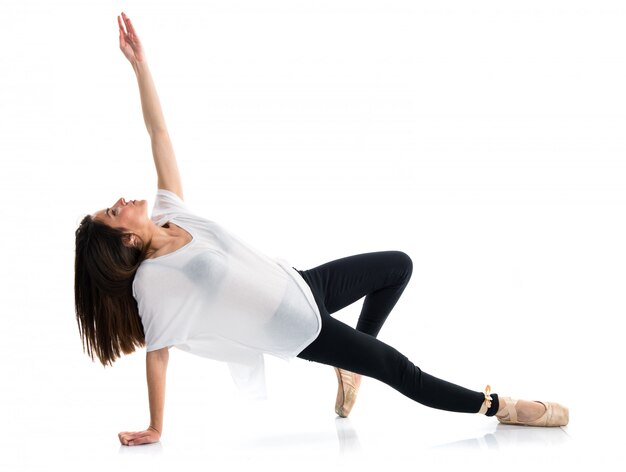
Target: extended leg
{"x":340,"y":345}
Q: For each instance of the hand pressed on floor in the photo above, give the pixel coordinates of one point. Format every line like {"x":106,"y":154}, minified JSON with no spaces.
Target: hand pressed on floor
{"x":147,"y":436}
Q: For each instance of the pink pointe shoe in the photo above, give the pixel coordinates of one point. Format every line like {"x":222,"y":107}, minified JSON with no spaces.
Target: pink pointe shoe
{"x":555,"y":414}
{"x":346,"y":391}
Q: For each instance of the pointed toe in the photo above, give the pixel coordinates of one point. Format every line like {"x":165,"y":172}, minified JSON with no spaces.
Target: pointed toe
{"x":347,"y":390}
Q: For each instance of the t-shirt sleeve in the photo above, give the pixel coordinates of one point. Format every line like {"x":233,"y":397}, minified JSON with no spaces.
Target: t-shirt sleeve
{"x":161,"y":295}
{"x":168,"y":205}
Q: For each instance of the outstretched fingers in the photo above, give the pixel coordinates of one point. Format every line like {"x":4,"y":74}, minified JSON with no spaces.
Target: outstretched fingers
{"x":129,"y":25}
{"x":119,"y":22}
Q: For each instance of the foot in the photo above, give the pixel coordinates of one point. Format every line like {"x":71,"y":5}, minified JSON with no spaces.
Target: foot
{"x":528,"y":413}
{"x":348,"y":387}
{"x":526,"y":410}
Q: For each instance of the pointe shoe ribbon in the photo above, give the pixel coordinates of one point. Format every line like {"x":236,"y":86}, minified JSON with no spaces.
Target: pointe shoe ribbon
{"x":487,"y":402}
{"x":555,"y":414}
{"x":346,"y":392}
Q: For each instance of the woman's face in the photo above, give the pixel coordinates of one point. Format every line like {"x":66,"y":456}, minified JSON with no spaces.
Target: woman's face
{"x":126,"y":215}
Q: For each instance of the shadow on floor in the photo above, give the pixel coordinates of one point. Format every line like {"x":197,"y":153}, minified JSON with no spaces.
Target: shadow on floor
{"x":513,"y":436}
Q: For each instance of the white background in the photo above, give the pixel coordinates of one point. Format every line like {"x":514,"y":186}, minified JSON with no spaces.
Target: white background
{"x":485,"y":139}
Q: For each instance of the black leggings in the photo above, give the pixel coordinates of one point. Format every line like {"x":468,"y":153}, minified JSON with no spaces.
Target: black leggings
{"x":381,"y":277}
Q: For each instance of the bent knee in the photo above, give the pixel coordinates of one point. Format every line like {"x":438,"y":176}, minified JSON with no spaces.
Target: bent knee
{"x":405,"y":262}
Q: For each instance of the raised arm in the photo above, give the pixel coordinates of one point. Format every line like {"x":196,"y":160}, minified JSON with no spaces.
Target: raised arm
{"x":156,"y":369}
{"x":162,"y":149}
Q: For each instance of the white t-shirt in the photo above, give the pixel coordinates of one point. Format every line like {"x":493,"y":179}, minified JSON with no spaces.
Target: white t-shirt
{"x":220,"y":298}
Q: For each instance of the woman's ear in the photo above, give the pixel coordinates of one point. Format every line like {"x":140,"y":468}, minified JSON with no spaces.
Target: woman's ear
{"x":131,"y":240}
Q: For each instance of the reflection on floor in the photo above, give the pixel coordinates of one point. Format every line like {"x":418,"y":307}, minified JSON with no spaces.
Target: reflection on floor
{"x":207,"y":425}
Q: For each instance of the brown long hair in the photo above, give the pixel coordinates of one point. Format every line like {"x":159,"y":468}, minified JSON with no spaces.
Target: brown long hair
{"x":106,"y":311}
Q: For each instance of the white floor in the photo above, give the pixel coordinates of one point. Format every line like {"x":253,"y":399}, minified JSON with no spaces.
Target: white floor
{"x":74,"y":425}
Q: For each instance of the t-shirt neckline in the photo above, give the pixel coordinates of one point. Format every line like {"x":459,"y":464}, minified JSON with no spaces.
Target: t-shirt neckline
{"x":193,"y":240}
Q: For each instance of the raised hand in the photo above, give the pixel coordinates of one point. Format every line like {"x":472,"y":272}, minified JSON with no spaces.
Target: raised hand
{"x":150,"y":435}
{"x":129,"y":41}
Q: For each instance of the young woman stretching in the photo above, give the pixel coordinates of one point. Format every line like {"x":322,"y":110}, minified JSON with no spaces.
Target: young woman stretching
{"x":178,"y":279}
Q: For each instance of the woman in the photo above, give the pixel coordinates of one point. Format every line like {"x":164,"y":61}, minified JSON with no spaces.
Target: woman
{"x":177,"y":279}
